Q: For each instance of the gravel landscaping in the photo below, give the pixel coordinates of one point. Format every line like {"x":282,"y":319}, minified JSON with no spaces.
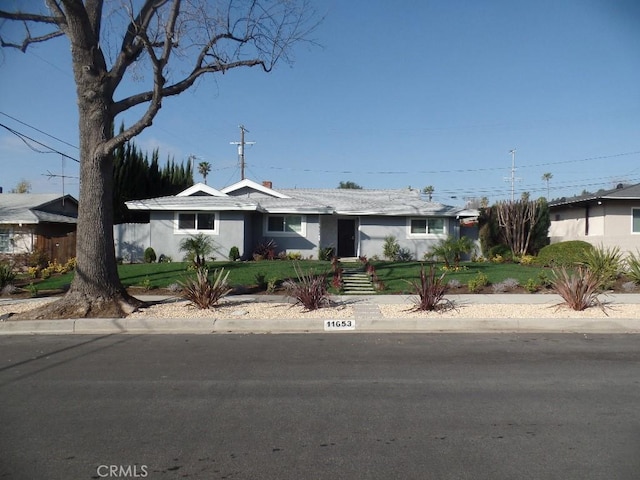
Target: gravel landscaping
{"x":254,"y":308}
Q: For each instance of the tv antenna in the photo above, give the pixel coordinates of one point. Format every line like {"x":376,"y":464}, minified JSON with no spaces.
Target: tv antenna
{"x":513,"y":178}
{"x":50,"y":175}
{"x":241,"y":145}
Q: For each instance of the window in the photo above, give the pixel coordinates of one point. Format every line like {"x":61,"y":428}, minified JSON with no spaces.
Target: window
{"x":635,"y":227}
{"x":427,"y":226}
{"x":5,"y":241}
{"x":196,"y":222}
{"x":286,"y":224}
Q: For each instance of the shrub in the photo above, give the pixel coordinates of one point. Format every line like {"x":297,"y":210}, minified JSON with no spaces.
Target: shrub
{"x":234,"y":254}
{"x":563,"y":254}
{"x":430,"y":291}
{"x":579,"y":289}
{"x":403,"y":255}
{"x":310,"y":290}
{"x":265,"y":250}
{"x":7,"y":275}
{"x":476,"y":283}
{"x":391,"y":248}
{"x":326,"y":253}
{"x":164,"y":258}
{"x":203,"y":291}
{"x":605,"y":264}
{"x":632,"y":263}
{"x":149,"y":255}
{"x":527,"y":260}
{"x":272,"y":284}
{"x":261,"y":280}
{"x":500,"y":250}
{"x":39,"y":258}
{"x":531,"y":286}
{"x":293,"y":256}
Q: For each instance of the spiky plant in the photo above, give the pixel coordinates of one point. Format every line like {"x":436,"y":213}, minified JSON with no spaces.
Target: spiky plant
{"x":310,"y":289}
{"x":430,"y":290}
{"x":605,"y":263}
{"x":204,"y":291}
{"x":579,"y":289}
{"x":632,"y":263}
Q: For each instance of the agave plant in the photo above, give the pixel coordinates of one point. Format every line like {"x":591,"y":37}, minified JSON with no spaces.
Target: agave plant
{"x":605,"y":263}
{"x":633,"y":266}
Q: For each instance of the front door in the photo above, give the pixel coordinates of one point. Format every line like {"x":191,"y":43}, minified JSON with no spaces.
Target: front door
{"x":346,"y":237}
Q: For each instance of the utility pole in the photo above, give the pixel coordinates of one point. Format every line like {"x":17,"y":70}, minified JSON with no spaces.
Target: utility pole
{"x":241,"y":145}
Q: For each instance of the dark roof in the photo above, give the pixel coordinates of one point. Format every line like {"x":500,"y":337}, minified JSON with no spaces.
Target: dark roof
{"x":628,"y":192}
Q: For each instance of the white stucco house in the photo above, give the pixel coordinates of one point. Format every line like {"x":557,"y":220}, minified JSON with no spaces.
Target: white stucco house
{"x":609,"y":218}
{"x":245,"y":214}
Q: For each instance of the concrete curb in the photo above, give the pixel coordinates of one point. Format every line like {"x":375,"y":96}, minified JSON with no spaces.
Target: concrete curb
{"x":103,"y":326}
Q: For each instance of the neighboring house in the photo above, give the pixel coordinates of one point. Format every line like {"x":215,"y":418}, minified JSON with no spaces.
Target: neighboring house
{"x":31,"y":221}
{"x":353,"y":222}
{"x":609,"y":218}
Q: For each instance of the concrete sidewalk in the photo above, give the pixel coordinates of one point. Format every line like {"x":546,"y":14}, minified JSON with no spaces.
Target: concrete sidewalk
{"x":367,"y":318}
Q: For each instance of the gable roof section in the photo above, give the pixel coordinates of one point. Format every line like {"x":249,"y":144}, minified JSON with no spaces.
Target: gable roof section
{"x":631,"y":192}
{"x":247,"y":184}
{"x":34,"y":208}
{"x":200,"y":189}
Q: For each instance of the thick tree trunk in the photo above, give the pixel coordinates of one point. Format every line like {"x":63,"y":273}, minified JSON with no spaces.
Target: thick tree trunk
{"x":96,"y":290}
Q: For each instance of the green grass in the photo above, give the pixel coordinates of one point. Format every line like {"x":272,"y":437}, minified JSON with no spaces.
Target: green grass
{"x":394,"y":275}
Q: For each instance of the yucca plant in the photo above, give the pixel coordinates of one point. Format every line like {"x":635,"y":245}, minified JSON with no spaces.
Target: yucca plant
{"x":430,"y":291}
{"x":310,"y":290}
{"x":7,"y":275}
{"x":633,"y":266}
{"x":578,"y":289}
{"x":605,"y":264}
{"x":204,"y":291}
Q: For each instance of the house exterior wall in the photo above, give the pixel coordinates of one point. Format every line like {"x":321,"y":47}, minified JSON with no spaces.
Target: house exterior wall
{"x":306,"y":244}
{"x":374,"y":229}
{"x":131,"y":239}
{"x":609,"y":225}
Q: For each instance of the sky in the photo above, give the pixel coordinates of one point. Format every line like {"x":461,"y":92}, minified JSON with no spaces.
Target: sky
{"x":391,"y":95}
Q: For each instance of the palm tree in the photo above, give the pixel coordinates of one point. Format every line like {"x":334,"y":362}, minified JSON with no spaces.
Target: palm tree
{"x":203,"y":169}
{"x":546,"y":177}
{"x":197,"y":248}
{"x":428,"y":190}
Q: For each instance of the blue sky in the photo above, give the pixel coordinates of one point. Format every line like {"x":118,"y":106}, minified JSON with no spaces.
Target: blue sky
{"x":406,"y":93}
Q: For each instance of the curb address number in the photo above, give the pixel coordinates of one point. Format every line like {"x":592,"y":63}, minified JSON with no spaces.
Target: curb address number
{"x":339,"y":325}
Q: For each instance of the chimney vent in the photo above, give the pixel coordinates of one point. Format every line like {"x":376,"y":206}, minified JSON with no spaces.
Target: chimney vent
{"x":267,"y":183}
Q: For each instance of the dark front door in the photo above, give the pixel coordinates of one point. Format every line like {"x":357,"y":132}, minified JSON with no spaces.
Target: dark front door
{"x":346,"y":238}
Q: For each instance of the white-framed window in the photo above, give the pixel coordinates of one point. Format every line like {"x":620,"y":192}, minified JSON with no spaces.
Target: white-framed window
{"x":426,"y":226}
{"x":286,"y":225}
{"x":635,"y":220}
{"x":196,"y":222}
{"x":5,"y":241}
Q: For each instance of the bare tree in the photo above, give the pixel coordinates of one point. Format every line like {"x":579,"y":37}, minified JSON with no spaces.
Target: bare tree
{"x":517,"y":220}
{"x":196,"y":38}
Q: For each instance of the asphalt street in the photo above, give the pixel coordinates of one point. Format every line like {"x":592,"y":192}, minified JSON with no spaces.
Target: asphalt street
{"x":320,"y":406}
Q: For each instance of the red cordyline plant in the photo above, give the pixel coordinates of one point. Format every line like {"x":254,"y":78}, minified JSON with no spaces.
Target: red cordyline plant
{"x":310,"y":290}
{"x":203,"y":291}
{"x":578,"y":289}
{"x":430,"y":290}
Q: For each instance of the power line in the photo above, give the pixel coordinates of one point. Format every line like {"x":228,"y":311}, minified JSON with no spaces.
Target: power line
{"x":39,"y":131}
{"x":22,"y":137}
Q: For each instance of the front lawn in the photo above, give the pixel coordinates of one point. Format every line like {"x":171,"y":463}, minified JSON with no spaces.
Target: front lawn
{"x":246,"y":274}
